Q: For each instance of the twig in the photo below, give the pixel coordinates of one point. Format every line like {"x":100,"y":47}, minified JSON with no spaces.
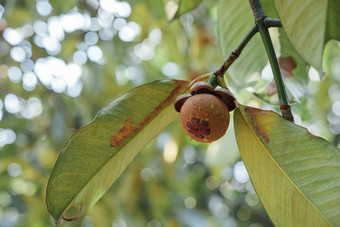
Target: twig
{"x":236,"y":52}
{"x":260,"y":18}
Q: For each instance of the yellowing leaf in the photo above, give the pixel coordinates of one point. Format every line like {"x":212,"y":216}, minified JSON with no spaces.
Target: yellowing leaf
{"x":96,"y":155}
{"x":295,"y":174}
{"x":309,"y":25}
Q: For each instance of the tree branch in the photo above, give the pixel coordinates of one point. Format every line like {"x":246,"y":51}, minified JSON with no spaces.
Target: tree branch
{"x":236,"y":52}
{"x":260,"y":18}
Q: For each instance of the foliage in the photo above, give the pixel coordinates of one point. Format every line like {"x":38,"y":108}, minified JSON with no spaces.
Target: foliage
{"x":289,"y":167}
{"x":55,"y":75}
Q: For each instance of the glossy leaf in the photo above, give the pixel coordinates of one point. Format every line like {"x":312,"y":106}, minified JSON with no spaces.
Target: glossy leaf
{"x":295,"y":174}
{"x":234,"y":22}
{"x":309,"y":26}
{"x":96,"y":155}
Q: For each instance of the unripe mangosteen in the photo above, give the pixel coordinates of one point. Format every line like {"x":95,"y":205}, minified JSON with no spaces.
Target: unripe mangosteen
{"x":204,"y":117}
{"x":204,"y":114}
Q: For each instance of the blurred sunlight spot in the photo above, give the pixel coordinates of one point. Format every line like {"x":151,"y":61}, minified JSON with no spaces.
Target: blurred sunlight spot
{"x":94,"y":24}
{"x":95,"y":54}
{"x":121,"y":9}
{"x":221,"y":210}
{"x":51,"y":44}
{"x":74,"y":21}
{"x":43,"y":7}
{"x":14,"y":74}
{"x":7,"y":136}
{"x":88,"y":221}
{"x":217,"y":207}
{"x":55,"y":28}
{"x":189,"y":154}
{"x":332,"y":118}
{"x":107,"y":34}
{"x":252,"y":199}
{"x":186,"y":20}
{"x":29,"y":81}
{"x":37,"y":39}
{"x":146,"y":174}
{"x":18,"y":54}
{"x":170,"y":69}
{"x":22,"y":187}
{"x":120,"y":75}
{"x":144,"y":51}
{"x":155,"y":36}
{"x":2,"y":10}
{"x":58,"y":85}
{"x":14,"y":170}
{"x":11,"y":217}
{"x":93,"y":3}
{"x":32,"y":108}
{"x":5,"y":199}
{"x":43,"y":72}
{"x":212,"y":182}
{"x":40,"y":27}
{"x":313,"y":74}
{"x":170,"y":151}
{"x":72,"y":74}
{"x":240,"y":172}
{"x":105,"y":18}
{"x":91,"y":38}
{"x":12,"y":103}
{"x":190,"y":202}
{"x":12,"y":36}
{"x":80,"y":57}
{"x":27,"y":65}
{"x":129,"y":32}
{"x":212,"y":150}
{"x":119,"y":222}
{"x":336,"y":108}
{"x":162,"y":140}
{"x":75,"y":90}
{"x":119,"y":23}
{"x":133,"y":73}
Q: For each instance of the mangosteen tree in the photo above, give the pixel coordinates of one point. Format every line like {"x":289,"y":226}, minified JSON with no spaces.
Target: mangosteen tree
{"x":294,"y":173}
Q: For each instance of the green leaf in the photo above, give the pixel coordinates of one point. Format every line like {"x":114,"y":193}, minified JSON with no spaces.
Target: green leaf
{"x":309,"y":26}
{"x":234,"y":22}
{"x":96,"y":155}
{"x":295,"y":174}
{"x":176,"y":8}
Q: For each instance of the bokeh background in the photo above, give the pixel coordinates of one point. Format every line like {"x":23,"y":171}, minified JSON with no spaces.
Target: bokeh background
{"x":61,"y":61}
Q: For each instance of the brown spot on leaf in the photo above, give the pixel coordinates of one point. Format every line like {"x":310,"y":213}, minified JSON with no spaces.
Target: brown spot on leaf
{"x":75,"y":208}
{"x":253,"y":112}
{"x":127,"y":130}
{"x":287,"y":65}
{"x":123,"y":133}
